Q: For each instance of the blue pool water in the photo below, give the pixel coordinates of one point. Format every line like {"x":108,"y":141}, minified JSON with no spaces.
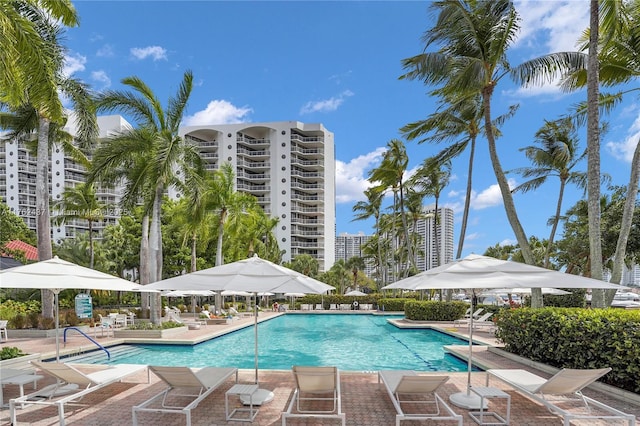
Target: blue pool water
{"x":350,"y":342}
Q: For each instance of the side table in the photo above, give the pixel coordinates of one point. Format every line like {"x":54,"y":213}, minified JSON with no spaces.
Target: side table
{"x":241,"y":390}
{"x":480,"y":417}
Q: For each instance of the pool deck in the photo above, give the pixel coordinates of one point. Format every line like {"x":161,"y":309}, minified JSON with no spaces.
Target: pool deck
{"x":364,"y":401}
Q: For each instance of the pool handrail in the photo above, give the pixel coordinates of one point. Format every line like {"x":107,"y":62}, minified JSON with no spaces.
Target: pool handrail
{"x":64,"y":339}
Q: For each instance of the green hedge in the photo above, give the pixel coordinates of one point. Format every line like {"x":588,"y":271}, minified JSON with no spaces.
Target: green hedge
{"x":577,"y":338}
{"x":393,"y":304}
{"x":434,"y":311}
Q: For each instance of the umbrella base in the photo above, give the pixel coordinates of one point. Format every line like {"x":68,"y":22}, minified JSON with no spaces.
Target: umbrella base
{"x":261,"y":396}
{"x":467,"y":400}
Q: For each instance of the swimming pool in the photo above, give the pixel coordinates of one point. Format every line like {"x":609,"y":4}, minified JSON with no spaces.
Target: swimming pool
{"x":350,"y":342}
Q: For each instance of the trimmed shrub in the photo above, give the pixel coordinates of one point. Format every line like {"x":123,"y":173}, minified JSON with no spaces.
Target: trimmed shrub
{"x":434,"y":311}
{"x":393,"y":304}
{"x":577,"y":338}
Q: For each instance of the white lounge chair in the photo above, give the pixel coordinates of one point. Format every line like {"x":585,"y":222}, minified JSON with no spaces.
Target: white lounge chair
{"x":423,"y":391}
{"x":319,"y":386}
{"x":3,"y":330}
{"x":72,"y":384}
{"x":466,"y":321}
{"x":562,"y":393}
{"x":319,"y":307}
{"x":199,"y":382}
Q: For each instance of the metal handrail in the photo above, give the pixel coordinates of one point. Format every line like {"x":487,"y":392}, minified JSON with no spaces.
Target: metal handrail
{"x":64,"y":339}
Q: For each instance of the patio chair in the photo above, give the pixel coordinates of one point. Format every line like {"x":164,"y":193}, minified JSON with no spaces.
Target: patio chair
{"x":319,"y":307}
{"x":72,"y":385}
{"x":562,"y":393}
{"x":483,"y":318}
{"x":3,"y":330}
{"x":104,"y":323}
{"x":421,"y":391}
{"x":197,"y":382}
{"x":317,"y":389}
{"x":476,"y":313}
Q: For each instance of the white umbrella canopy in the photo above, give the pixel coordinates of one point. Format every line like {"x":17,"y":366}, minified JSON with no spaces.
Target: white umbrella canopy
{"x":525,"y":291}
{"x":478,"y":272}
{"x":355,"y":293}
{"x":483,"y":272}
{"x":57,"y":274}
{"x":175,"y":293}
{"x":254,"y":275}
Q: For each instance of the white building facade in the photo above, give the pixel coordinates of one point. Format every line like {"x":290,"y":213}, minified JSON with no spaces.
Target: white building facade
{"x":435,"y":251}
{"x":18,"y":181}
{"x":350,"y":245}
{"x":290,"y":167}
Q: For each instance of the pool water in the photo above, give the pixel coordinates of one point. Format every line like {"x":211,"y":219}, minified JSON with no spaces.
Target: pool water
{"x":350,"y":342}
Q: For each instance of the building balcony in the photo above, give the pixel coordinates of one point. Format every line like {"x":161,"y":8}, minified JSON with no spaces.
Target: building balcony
{"x":252,"y":153}
{"x":247,"y":140}
{"x":307,"y":139}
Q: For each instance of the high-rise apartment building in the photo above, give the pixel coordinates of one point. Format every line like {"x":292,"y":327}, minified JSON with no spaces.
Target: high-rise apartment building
{"x":18,"y":181}
{"x":350,"y":245}
{"x":290,"y":167}
{"x":435,"y":251}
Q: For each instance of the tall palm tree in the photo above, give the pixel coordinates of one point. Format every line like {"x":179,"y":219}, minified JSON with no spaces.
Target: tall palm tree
{"x":80,"y":202}
{"x":355,"y":264}
{"x":148,"y":157}
{"x":372,"y":208}
{"x":557,"y":156}
{"x":29,"y":65}
{"x":473,"y":39}
{"x":389,"y":175}
{"x":431,"y":178}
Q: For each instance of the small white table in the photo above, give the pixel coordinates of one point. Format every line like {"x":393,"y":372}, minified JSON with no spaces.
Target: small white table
{"x":480,"y":417}
{"x":241,"y":390}
{"x":18,"y":377}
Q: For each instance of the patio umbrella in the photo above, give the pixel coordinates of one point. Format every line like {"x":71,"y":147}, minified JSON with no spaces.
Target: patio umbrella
{"x":193,"y":295}
{"x":525,"y":291}
{"x":56,"y":275}
{"x":481,"y":272}
{"x":253,"y":275}
{"x":356,"y":293}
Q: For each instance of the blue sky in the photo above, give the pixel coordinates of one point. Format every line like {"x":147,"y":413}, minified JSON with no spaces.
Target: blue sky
{"x":338,"y":63}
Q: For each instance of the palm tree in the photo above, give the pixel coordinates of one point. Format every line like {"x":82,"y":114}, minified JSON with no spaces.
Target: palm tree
{"x":389,"y":175}
{"x":305,"y":264}
{"x":557,"y":156}
{"x":29,"y":65}
{"x":80,"y":202}
{"x":149,"y":158}
{"x":431,"y":178}
{"x":474,"y":37}
{"x":355,"y":264}
{"x":372,"y":208}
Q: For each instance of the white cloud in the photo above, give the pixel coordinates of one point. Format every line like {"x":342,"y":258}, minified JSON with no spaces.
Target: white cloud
{"x":218,"y":112}
{"x":102,"y":78}
{"x":489,"y":197}
{"x":326,"y":105}
{"x":105,"y":51}
{"x":73,"y":63}
{"x":155,"y":52}
{"x":351,"y":180}
{"x":508,"y":242}
{"x":472,"y":236}
{"x":624,"y":150}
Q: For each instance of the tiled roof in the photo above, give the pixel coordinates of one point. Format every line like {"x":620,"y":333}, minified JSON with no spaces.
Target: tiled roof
{"x":30,"y":252}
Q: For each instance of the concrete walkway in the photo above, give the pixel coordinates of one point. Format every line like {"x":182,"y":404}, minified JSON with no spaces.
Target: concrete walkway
{"x":364,"y":401}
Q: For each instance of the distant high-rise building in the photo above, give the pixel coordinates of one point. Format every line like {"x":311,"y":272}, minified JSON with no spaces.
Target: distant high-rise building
{"x":349,"y":245}
{"x":429,"y":245}
{"x":290,"y":167}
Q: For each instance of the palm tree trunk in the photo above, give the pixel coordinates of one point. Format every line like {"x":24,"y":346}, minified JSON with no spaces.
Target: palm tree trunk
{"x":144,"y":262}
{"x":193,"y":252}
{"x":91,"y":252}
{"x":467,"y":200}
{"x":593,"y":155}
{"x":625,"y":226}
{"x":219,"y":258}
{"x":405,"y":227}
{"x":155,"y":253}
{"x":43,"y":223}
{"x":556,"y":219}
{"x":435,"y":234}
{"x":509,"y":206}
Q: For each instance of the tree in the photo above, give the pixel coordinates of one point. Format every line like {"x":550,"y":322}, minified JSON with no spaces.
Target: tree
{"x":80,"y":202}
{"x":28,"y":61}
{"x":474,"y":37}
{"x":557,"y":156}
{"x":13,"y":227}
{"x":148,"y":157}
{"x":305,"y":264}
{"x":372,"y":208}
{"x":355,"y":264}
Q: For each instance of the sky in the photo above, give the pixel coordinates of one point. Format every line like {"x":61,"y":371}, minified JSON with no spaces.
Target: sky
{"x":338,"y":63}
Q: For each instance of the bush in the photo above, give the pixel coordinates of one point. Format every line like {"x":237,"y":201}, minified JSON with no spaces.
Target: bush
{"x":33,"y":319}
{"x":577,"y":338}
{"x":19,"y":321}
{"x":393,"y":304}
{"x":434,"y":311}
{"x":10,"y":352}
{"x":151,"y":326}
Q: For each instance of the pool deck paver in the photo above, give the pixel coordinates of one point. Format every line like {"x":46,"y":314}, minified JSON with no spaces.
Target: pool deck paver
{"x":364,"y":401}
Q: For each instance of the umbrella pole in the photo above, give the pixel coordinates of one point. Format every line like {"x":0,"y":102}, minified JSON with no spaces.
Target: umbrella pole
{"x":261,"y":396}
{"x":57,"y":316}
{"x":467,"y":399}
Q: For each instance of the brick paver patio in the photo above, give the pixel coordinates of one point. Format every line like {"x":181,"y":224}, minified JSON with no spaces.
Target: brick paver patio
{"x":365,"y":402}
